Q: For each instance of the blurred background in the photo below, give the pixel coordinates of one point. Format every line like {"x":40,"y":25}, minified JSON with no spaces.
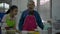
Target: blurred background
{"x":49,"y":10}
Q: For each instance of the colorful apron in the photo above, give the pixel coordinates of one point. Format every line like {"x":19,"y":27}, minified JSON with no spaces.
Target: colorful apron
{"x":30,"y":23}
{"x":10,"y":23}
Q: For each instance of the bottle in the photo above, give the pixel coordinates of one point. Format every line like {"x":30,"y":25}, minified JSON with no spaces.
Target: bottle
{"x":3,"y":30}
{"x":37,"y":31}
{"x":30,"y":32}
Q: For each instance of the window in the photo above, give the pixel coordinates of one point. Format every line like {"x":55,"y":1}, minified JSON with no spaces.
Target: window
{"x":42,"y":2}
{"x":4,"y":7}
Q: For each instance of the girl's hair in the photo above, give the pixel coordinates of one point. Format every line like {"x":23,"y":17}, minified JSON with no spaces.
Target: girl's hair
{"x":11,"y":8}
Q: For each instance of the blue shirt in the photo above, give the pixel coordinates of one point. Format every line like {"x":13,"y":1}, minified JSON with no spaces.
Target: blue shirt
{"x":23,"y":16}
{"x":1,"y":16}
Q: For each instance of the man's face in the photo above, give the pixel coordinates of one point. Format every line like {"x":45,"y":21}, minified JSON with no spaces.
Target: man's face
{"x":31,"y":6}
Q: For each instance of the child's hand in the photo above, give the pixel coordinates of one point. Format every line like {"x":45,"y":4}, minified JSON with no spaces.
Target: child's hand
{"x":18,"y":31}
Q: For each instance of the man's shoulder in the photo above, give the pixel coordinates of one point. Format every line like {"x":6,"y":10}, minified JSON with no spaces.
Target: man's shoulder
{"x":35,"y":11}
{"x":24,"y":11}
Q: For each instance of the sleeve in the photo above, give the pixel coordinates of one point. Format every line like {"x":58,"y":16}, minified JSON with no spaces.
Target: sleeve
{"x":1,"y":16}
{"x":4,"y":19}
{"x":21,"y":21}
{"x":39,"y":21}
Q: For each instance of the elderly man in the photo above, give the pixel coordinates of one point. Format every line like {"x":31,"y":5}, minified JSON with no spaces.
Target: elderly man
{"x":30,"y":11}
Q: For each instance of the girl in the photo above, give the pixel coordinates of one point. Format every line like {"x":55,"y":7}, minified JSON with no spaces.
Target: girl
{"x":10,"y":18}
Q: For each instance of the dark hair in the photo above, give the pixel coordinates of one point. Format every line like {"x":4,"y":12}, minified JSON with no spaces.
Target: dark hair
{"x":11,"y":8}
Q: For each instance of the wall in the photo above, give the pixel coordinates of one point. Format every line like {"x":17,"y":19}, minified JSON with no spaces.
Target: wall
{"x":56,"y":9}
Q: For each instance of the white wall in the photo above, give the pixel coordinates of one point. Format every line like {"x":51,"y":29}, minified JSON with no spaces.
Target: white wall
{"x":56,"y":9}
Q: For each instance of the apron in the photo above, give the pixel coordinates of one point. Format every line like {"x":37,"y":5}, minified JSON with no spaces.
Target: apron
{"x":11,"y":24}
{"x":30,"y":23}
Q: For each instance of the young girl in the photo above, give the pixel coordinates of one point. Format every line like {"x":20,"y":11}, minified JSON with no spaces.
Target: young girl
{"x":10,"y":18}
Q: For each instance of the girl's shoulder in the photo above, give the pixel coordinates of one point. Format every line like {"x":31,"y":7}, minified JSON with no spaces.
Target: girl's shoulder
{"x":5,"y":16}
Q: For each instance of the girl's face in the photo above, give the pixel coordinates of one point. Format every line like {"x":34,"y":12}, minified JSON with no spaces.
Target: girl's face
{"x":14,"y":12}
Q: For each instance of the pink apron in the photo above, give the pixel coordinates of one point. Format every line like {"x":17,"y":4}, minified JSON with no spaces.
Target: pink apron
{"x":30,"y":23}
